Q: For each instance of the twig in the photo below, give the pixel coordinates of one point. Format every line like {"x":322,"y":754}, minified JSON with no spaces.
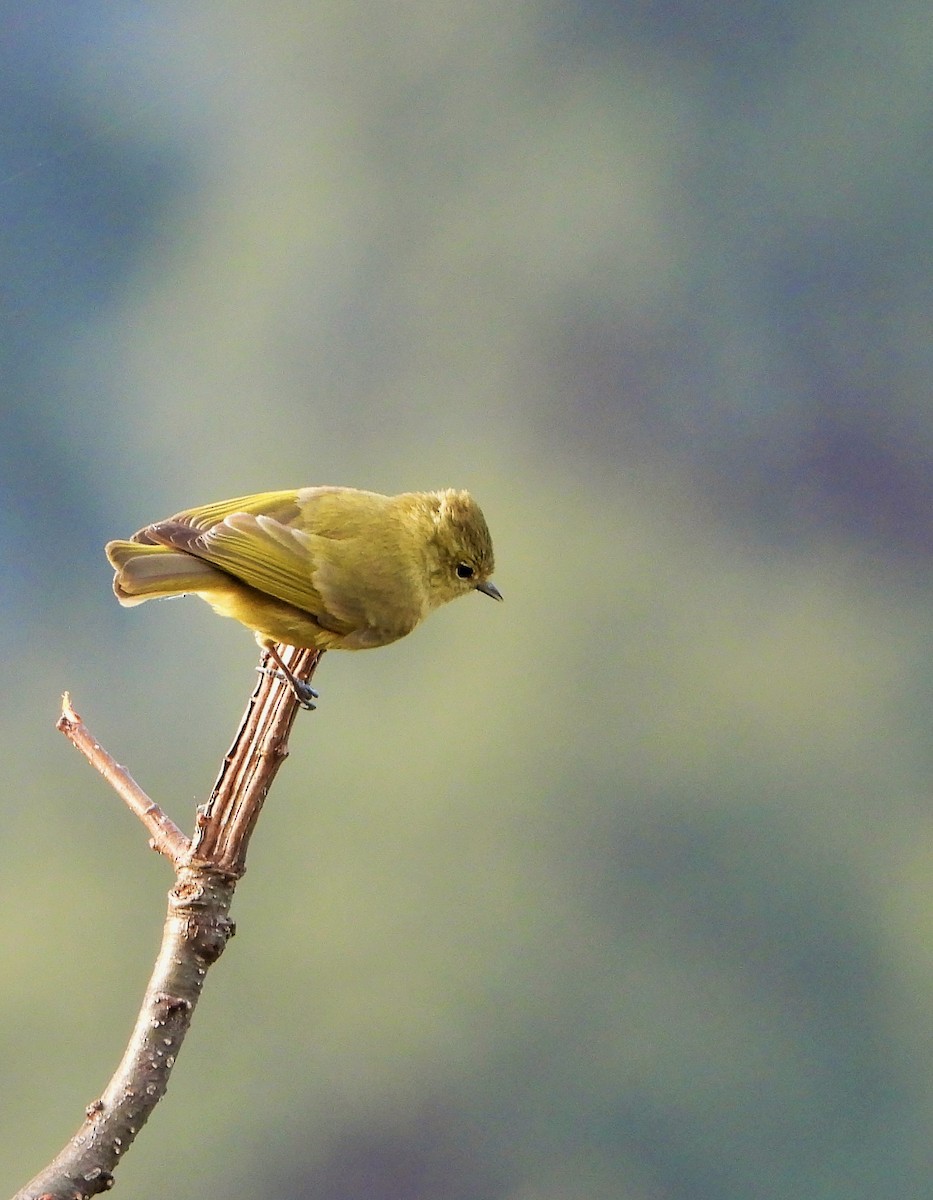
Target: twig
{"x":166,"y":837}
{"x":197,"y":926}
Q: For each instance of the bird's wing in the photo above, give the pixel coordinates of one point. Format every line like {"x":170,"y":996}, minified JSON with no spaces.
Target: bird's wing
{"x":281,"y":506}
{"x":256,"y":548}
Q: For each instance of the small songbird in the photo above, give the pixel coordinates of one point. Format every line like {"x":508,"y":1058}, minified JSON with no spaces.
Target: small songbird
{"x":328,"y":568}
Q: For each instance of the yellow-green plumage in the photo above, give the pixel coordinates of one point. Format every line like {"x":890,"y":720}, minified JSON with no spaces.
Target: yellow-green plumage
{"x":328,"y":568}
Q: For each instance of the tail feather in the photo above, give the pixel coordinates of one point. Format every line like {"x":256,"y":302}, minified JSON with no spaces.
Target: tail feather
{"x":147,"y":572}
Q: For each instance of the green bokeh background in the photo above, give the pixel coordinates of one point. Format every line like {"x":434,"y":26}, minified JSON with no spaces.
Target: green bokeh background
{"x":621,"y":889}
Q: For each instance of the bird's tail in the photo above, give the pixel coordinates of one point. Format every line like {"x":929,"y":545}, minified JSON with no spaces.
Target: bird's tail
{"x":148,"y":572}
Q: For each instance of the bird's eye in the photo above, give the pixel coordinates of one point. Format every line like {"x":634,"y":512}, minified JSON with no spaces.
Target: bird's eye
{"x":464,"y":571}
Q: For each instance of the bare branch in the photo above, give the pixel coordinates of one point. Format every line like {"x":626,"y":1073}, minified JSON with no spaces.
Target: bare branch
{"x":197,"y":926}
{"x":196,"y":930}
{"x":226,"y":822}
{"x":166,"y":837}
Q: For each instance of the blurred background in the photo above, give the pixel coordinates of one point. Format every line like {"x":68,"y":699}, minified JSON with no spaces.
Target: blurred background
{"x":622,"y":889}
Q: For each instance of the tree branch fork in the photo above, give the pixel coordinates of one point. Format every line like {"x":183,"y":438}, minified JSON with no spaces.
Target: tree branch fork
{"x":197,"y":927}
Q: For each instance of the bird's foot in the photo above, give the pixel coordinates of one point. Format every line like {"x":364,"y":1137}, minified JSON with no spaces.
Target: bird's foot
{"x":303,"y":692}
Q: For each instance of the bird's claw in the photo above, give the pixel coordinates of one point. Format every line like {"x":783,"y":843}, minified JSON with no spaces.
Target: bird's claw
{"x":303,"y":692}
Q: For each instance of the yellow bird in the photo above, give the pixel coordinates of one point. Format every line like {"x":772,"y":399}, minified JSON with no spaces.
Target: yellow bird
{"x":328,"y":568}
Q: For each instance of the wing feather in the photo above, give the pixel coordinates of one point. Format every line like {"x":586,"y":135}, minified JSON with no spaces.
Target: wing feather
{"x":262,"y":552}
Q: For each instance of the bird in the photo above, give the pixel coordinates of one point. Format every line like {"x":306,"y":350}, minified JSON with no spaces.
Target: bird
{"x":325,"y":568}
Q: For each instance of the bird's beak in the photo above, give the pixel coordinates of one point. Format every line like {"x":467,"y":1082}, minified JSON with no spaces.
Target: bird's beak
{"x":489,"y":589}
